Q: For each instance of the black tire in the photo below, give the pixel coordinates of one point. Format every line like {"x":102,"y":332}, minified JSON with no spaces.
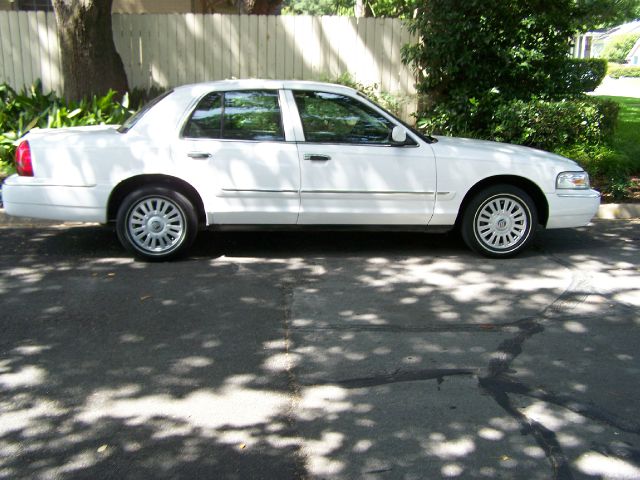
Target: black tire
{"x":500,"y":221}
{"x":156,"y":223}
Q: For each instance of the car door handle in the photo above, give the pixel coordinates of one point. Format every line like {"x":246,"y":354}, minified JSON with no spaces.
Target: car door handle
{"x":315,"y":157}
{"x":199,"y":155}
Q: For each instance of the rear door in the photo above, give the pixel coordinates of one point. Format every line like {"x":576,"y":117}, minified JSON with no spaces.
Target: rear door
{"x":243,"y":153}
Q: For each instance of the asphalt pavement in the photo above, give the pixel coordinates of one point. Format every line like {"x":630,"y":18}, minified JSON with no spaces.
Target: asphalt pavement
{"x":324,"y":356}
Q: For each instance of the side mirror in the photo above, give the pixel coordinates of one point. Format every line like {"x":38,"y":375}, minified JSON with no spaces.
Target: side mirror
{"x":399,"y":135}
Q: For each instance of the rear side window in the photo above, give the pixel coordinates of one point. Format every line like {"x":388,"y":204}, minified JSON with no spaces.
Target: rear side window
{"x":241,"y":115}
{"x":205,"y":121}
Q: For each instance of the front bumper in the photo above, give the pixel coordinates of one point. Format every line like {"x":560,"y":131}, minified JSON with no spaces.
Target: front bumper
{"x":572,"y":208}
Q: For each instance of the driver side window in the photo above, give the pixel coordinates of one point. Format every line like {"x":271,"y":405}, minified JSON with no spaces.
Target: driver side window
{"x":332,"y":118}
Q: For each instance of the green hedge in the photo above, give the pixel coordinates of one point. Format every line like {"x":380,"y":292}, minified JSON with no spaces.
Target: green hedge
{"x":610,"y":170}
{"x":624,"y":71}
{"x":582,"y":75}
{"x":551,"y":125}
{"x":22,"y":111}
{"x":537,"y":123}
{"x":391,"y":102}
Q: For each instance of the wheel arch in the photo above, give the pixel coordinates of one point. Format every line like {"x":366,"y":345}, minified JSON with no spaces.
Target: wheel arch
{"x":124,"y":188}
{"x":525,"y":184}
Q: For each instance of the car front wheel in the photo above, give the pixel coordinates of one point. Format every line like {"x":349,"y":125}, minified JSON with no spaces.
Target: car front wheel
{"x":500,"y":221}
{"x":156,"y":223}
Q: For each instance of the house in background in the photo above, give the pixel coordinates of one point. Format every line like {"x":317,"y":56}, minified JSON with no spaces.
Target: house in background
{"x":634,"y":55}
{"x":600,"y":39}
{"x":139,"y":6}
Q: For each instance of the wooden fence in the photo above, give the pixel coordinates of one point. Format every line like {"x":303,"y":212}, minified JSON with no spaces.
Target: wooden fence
{"x":168,"y":50}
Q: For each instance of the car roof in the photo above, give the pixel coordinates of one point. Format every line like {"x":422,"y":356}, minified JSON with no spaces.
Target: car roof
{"x":264,"y":84}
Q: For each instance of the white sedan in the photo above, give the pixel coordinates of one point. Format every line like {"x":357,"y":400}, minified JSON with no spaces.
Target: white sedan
{"x":292,"y":154}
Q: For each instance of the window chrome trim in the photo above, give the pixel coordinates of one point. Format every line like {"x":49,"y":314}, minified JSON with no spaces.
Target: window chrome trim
{"x":383,"y":145}
{"x":189,"y":139}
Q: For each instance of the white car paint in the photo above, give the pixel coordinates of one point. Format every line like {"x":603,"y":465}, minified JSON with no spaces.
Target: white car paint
{"x":274,"y":182}
{"x":462,"y":162}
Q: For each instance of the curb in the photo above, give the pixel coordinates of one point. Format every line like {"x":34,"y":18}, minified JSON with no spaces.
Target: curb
{"x":619,"y":211}
{"x":608,"y":211}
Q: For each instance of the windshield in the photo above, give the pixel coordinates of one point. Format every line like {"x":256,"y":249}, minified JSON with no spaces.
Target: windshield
{"x":133,"y":119}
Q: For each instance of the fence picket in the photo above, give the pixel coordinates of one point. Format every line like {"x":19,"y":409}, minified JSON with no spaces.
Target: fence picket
{"x":27,"y":52}
{"x":6,"y":54}
{"x":16,"y":52}
{"x":57,"y":79}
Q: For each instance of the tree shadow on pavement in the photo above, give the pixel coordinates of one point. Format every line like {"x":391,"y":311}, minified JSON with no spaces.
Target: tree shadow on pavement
{"x":273,"y":355}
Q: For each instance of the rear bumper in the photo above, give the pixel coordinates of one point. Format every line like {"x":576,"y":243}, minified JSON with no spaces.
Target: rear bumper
{"x":29,"y":197}
{"x":572,"y":209}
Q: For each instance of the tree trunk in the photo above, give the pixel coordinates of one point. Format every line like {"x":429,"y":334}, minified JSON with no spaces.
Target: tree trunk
{"x":362,"y":8}
{"x":91,"y":64}
{"x":259,"y":7}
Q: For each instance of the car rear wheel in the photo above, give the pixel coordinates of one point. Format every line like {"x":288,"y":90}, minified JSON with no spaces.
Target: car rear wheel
{"x":156,"y":223}
{"x":500,"y":221}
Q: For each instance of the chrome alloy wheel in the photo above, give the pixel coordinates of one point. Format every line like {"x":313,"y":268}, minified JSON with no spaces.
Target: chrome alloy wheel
{"x":502,"y":223}
{"x":156,"y":225}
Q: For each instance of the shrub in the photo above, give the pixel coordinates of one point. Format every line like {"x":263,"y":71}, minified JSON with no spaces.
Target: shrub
{"x":389,"y":101}
{"x":600,"y":161}
{"x":537,"y":123}
{"x":624,"y":71}
{"x":460,"y":116}
{"x":619,"y":47}
{"x":609,"y":170}
{"x":140,"y":96}
{"x":581,"y":75}
{"x":20,"y":112}
{"x":464,"y":49}
{"x":551,"y":125}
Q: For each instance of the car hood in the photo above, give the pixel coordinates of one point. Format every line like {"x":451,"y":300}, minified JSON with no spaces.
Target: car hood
{"x":483,"y":150}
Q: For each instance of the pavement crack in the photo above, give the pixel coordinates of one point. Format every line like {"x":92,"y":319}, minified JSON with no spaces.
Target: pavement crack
{"x":586,"y":409}
{"x":390,"y":328}
{"x":586,"y":280}
{"x":545,"y":438}
{"x":397,"y":377}
{"x":508,"y":350}
{"x":292,"y":382}
{"x":576,"y":294}
{"x":499,"y":366}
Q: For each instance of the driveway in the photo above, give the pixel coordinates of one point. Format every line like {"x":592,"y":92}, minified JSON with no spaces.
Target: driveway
{"x":325,"y":356}
{"x":619,"y":87}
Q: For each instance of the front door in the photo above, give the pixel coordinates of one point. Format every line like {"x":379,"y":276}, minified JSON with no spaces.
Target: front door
{"x":352,"y":172}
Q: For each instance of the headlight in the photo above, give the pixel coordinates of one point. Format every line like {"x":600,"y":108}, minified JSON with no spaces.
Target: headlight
{"x":573,"y":181}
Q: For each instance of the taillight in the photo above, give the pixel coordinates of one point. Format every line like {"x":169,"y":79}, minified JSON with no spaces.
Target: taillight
{"x":24,"y":167}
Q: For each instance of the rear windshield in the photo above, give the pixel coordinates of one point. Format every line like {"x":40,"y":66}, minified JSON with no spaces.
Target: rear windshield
{"x":133,"y":119}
